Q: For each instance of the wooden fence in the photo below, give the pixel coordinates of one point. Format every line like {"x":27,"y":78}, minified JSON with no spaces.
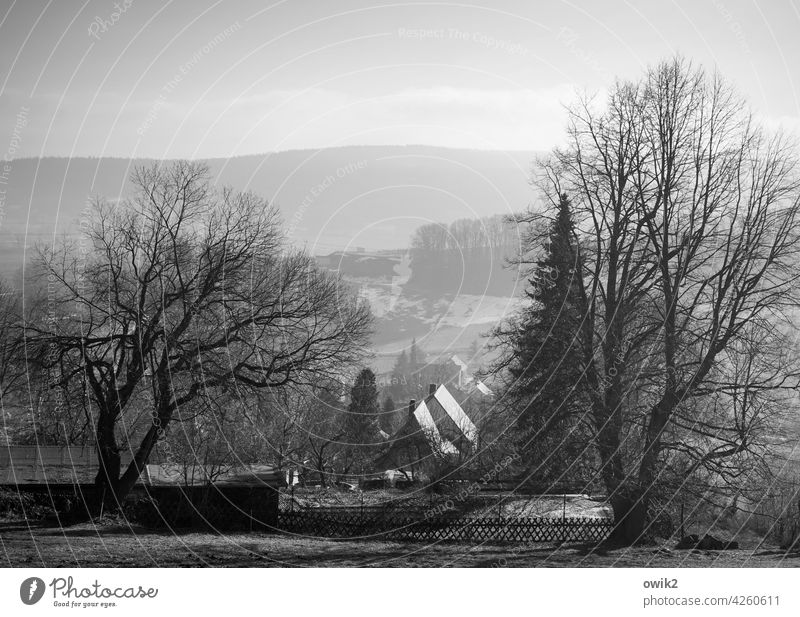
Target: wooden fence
{"x":397,"y":527}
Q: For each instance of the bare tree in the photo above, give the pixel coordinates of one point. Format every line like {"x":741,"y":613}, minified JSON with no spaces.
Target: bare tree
{"x":34,"y":412}
{"x":12,"y":363}
{"x":209,"y":437}
{"x":323,"y":425}
{"x":689,"y":235}
{"x":279,"y":426}
{"x":184,"y":290}
{"x":12,"y":356}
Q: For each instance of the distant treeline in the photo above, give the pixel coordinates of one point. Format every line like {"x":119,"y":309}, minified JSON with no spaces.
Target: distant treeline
{"x":469,"y":256}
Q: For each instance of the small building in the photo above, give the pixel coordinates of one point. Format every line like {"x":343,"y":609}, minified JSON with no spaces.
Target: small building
{"x":220,"y":497}
{"x":174,"y":495}
{"x":39,"y":465}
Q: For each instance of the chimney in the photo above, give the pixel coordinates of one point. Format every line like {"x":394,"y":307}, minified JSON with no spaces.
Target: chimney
{"x":412,"y":405}
{"x":431,"y":389}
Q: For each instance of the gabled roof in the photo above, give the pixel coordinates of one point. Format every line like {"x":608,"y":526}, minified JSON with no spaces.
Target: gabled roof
{"x":438,"y":425}
{"x":483,"y":388}
{"x":456,"y":413}
{"x":431,"y":430}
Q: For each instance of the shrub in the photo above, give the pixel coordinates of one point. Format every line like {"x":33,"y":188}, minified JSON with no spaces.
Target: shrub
{"x":22,"y":505}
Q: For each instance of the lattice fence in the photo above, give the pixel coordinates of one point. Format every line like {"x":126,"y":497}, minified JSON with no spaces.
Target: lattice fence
{"x":445,"y":528}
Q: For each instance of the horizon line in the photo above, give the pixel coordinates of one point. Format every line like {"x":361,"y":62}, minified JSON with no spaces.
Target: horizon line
{"x":271,"y":153}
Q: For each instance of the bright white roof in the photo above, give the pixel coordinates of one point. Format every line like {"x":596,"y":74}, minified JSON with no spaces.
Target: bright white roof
{"x":483,"y":388}
{"x":425,"y":419}
{"x":454,"y":410}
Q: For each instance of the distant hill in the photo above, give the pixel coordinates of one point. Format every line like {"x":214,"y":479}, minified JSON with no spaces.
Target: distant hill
{"x":335,"y":198}
{"x":367,"y":200}
{"x":446,"y":316}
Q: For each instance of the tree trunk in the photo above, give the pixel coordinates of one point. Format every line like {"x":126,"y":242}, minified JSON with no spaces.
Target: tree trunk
{"x":167,"y":403}
{"x":630,"y":517}
{"x":137,"y":465}
{"x":112,"y":485}
{"x":108,"y":464}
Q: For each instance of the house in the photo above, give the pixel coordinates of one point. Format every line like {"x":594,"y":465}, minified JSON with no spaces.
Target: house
{"x":63,"y":465}
{"x":437,"y":431}
{"x":222,"y":497}
{"x":40,"y":465}
{"x":466,"y":380}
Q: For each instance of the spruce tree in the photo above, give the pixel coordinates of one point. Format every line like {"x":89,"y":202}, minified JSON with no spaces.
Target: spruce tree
{"x":401,"y":371}
{"x":413,"y":358}
{"x":546,"y":387}
{"x":361,"y":423}
{"x":388,"y":410}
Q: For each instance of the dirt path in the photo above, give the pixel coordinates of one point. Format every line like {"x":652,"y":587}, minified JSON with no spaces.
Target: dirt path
{"x":118,"y":546}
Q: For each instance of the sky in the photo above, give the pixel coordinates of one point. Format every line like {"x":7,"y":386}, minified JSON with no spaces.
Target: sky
{"x":197,"y":79}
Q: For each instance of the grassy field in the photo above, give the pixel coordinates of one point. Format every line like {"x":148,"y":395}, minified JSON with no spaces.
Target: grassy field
{"x":115,"y":545}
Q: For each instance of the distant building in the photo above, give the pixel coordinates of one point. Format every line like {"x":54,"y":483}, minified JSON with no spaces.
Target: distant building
{"x":467,"y":381}
{"x":40,"y":465}
{"x":32,"y":465}
{"x":222,"y":497}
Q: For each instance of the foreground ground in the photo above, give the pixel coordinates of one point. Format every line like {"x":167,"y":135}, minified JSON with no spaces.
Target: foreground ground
{"x":114,"y":545}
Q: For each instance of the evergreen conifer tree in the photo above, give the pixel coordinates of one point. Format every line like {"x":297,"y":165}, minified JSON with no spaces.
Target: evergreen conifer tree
{"x":388,"y":410}
{"x":361,"y":423}
{"x":413,"y":357}
{"x":546,"y":388}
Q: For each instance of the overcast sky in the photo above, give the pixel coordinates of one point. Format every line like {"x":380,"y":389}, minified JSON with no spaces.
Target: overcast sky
{"x":216,"y":79}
